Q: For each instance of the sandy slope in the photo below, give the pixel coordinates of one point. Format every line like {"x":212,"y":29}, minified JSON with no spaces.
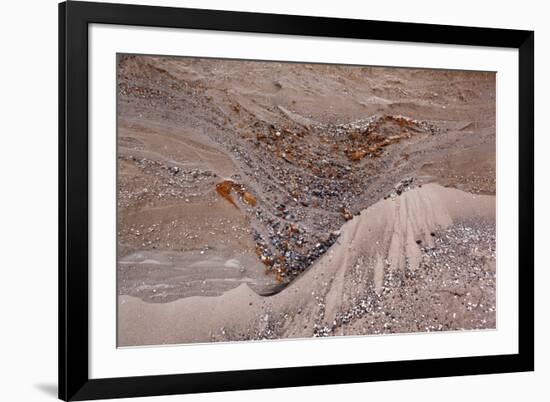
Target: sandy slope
{"x":313,"y":146}
{"x":350,"y":289}
{"x":298,"y":138}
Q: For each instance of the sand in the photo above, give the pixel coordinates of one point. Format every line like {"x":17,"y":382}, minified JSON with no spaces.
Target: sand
{"x":385,"y":234}
{"x":362,"y":200}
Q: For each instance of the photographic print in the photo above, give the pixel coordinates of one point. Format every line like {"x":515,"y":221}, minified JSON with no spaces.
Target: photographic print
{"x":262,"y":200}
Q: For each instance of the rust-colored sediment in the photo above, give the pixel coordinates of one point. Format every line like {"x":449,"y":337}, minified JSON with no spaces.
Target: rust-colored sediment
{"x":224,"y":189}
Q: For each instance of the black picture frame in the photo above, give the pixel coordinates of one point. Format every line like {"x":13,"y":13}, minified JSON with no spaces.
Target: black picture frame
{"x":74,"y":381}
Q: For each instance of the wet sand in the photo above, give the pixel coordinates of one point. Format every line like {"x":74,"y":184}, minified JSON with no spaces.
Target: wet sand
{"x":268,"y":200}
{"x":391,"y":238}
